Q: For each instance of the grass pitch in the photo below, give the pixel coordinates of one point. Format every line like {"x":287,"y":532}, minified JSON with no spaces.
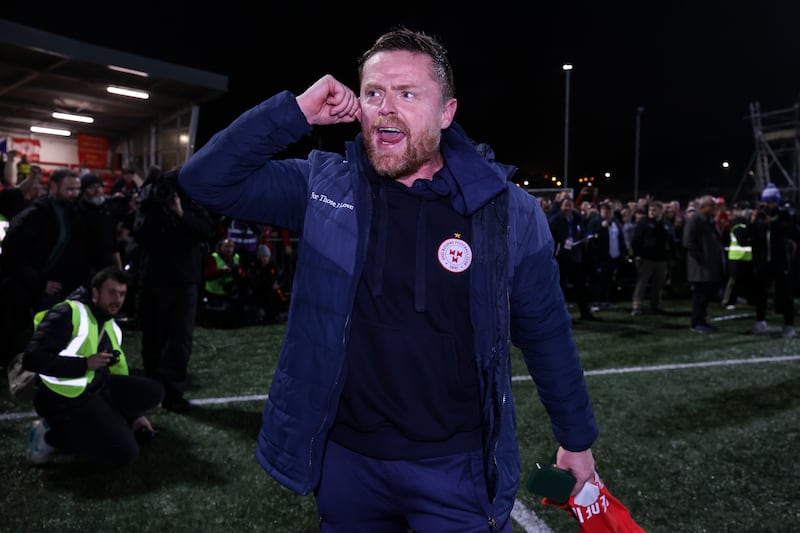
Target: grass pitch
{"x":699,"y":433}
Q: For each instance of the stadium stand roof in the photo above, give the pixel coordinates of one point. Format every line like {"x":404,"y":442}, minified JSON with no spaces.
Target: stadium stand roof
{"x":41,"y":72}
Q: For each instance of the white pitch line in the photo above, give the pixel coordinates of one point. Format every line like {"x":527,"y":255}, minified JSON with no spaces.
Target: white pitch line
{"x":230,"y":399}
{"x":529,"y":520}
{"x":681,"y":366}
{"x":731,"y":317}
{"x":16,"y":416}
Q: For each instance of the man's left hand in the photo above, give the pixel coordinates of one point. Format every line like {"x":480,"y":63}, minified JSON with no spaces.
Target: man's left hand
{"x":581,"y":464}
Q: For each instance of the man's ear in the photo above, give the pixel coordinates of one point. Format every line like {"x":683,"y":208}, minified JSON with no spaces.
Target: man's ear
{"x":448,"y":113}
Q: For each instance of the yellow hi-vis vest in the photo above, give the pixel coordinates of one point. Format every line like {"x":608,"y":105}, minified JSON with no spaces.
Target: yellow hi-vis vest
{"x":217,"y":286}
{"x":84,"y":343}
{"x":737,"y":252}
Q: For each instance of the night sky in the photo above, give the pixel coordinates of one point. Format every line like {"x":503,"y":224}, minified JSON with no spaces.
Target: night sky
{"x":695,"y":68}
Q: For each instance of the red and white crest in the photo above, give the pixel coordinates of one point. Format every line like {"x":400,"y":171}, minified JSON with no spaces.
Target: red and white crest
{"x":455,"y":255}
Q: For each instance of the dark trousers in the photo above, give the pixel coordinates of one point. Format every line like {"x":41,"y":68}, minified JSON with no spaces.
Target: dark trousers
{"x":167,"y":317}
{"x":653,"y":273}
{"x":602,"y":279}
{"x":703,"y":292}
{"x":16,"y":319}
{"x":575,"y":274}
{"x":360,"y":494}
{"x":784,"y":295}
{"x":96,"y":424}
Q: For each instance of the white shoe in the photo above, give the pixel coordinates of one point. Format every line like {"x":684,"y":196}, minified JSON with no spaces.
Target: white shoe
{"x":759,"y":327}
{"x":789,"y":332}
{"x":39,"y":451}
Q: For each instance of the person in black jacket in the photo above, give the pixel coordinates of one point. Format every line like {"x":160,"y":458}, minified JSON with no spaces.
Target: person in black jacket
{"x":172,"y":235}
{"x":46,"y":255}
{"x":775,"y":232}
{"x":652,"y":246}
{"x":101,"y":224}
{"x":607,"y":251}
{"x":569,"y":233}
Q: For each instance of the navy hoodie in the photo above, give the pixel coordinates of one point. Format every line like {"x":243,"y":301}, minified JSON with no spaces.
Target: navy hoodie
{"x":412,"y":389}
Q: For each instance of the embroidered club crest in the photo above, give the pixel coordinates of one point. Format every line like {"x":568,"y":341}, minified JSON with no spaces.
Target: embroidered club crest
{"x":455,"y":255}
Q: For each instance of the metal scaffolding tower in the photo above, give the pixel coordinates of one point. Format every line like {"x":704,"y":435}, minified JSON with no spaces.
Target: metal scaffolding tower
{"x":776,"y":158}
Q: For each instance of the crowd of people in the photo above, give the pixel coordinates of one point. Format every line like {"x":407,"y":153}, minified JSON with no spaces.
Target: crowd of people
{"x":635,"y":253}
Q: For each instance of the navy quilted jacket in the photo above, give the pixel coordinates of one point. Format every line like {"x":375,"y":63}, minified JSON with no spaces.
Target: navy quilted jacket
{"x":326,"y":198}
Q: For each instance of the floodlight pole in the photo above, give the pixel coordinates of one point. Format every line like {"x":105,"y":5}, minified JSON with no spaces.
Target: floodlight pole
{"x":567,"y":68}
{"x":639,"y":111}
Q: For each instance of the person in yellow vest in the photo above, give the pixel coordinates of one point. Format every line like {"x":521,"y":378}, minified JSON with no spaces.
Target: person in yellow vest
{"x":225,"y":286}
{"x":23,"y":168}
{"x":222,"y":270}
{"x":740,"y":257}
{"x":89,"y":404}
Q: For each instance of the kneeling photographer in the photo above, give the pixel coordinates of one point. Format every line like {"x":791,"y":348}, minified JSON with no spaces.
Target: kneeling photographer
{"x":172,"y":234}
{"x":89,"y":403}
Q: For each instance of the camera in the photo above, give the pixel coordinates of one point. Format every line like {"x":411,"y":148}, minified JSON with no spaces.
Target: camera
{"x":160,"y":187}
{"x":164,"y":189}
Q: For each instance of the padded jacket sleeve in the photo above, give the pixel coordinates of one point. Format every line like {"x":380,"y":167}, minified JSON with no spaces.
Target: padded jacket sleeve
{"x":234,"y":174}
{"x":52,"y":336}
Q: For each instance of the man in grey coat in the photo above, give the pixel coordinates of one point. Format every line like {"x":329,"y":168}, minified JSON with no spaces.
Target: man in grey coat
{"x":705,"y":261}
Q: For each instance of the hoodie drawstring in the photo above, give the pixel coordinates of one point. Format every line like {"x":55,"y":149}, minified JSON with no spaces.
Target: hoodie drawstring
{"x":381,"y":243}
{"x":420,"y":275}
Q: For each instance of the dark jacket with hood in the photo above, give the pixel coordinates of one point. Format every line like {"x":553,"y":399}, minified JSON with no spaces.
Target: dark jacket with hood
{"x":774,"y":237}
{"x":514,"y":290}
{"x":41,"y":245}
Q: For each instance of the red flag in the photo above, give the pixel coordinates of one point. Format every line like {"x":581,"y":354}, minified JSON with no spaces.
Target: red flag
{"x":597,"y":510}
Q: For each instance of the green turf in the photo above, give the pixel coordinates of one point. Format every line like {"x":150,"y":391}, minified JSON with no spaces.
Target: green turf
{"x":699,"y":449}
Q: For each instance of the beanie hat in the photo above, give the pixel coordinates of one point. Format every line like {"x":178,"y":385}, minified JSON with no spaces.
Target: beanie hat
{"x":771,"y":193}
{"x":87,"y":180}
{"x":263,"y":251}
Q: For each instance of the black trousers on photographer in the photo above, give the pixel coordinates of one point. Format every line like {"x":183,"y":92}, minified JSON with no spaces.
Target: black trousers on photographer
{"x":96,"y":424}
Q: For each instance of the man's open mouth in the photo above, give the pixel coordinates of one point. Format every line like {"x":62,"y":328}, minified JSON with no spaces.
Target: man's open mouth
{"x":390,"y":135}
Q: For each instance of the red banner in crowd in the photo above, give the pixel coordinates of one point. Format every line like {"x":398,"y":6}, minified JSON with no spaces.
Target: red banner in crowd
{"x":92,"y":151}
